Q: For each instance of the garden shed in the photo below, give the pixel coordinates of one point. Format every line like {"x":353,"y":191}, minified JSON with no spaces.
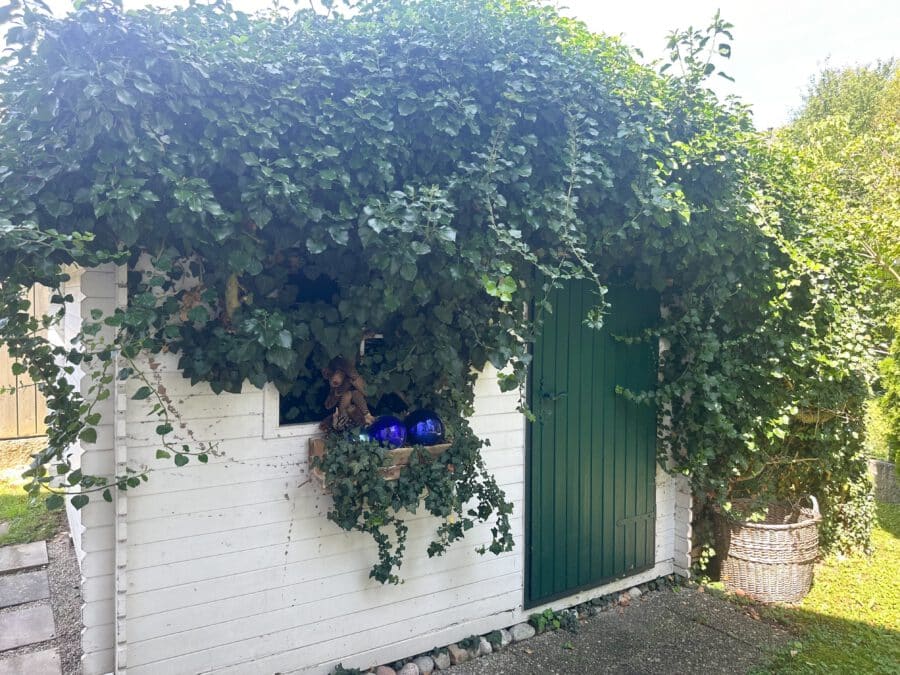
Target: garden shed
{"x":204,"y":569}
{"x":489,"y":211}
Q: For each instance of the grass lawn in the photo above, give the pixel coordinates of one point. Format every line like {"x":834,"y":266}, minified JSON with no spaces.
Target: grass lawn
{"x":850,"y":621}
{"x":27,"y":521}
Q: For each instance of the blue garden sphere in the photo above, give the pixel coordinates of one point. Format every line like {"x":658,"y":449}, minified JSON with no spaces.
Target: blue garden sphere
{"x":388,"y":430}
{"x":424,"y":427}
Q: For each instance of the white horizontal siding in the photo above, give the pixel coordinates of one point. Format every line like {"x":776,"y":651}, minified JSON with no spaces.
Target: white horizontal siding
{"x":233,"y":567}
{"x":234,"y":561}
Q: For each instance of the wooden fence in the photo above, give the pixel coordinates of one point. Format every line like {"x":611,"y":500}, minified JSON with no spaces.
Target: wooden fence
{"x":22,"y":412}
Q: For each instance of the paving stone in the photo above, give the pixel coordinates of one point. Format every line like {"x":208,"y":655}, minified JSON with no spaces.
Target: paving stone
{"x":33,"y":663}
{"x":26,"y":627}
{"x":505,"y":638}
{"x":409,"y":669}
{"x":17,"y":589}
{"x":22,"y":556}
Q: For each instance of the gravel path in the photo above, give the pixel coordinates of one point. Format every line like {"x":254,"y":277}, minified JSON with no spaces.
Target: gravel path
{"x":65,"y":598}
{"x":664,"y":633}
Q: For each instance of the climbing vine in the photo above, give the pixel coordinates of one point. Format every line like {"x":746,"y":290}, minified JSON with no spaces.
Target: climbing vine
{"x":456,"y":489}
{"x":280,"y":186}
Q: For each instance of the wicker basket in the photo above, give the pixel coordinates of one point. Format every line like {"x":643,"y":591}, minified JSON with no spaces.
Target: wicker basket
{"x":772,"y":560}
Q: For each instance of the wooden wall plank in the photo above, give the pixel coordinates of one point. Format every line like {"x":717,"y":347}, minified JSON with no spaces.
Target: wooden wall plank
{"x":22,"y":413}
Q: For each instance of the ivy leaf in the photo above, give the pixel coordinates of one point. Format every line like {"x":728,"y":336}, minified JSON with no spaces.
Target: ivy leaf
{"x":126,"y":97}
{"x":142,"y":393}
{"x":408,"y":271}
{"x":54,"y":502}
{"x":80,"y":501}
{"x":419,"y":247}
{"x":315,"y":247}
{"x":181,"y":460}
{"x":88,"y":435}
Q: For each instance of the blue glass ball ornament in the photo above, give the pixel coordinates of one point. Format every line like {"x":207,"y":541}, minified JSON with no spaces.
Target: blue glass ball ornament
{"x":424,"y":427}
{"x":388,"y":430}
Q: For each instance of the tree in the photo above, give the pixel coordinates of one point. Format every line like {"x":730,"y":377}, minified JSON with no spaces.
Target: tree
{"x":847,"y":141}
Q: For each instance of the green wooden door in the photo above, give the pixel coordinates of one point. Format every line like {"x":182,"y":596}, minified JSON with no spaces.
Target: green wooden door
{"x":592,"y":452}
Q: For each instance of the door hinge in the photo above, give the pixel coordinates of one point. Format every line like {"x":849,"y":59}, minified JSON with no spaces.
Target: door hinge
{"x":650,"y":515}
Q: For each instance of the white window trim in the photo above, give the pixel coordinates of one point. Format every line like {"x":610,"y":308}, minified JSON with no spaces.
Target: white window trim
{"x":271,"y":426}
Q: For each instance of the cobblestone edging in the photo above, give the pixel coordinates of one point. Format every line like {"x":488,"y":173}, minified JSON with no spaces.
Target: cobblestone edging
{"x":481,"y":645}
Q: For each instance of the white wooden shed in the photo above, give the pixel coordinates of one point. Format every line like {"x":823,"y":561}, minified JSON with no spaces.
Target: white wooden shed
{"x":232,"y":567}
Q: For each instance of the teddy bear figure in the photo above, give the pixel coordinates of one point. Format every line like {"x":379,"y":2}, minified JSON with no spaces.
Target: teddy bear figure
{"x":346,"y":397}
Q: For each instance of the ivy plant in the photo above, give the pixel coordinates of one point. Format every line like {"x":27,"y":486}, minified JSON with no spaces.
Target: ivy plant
{"x":455,"y":488}
{"x":439,"y":166}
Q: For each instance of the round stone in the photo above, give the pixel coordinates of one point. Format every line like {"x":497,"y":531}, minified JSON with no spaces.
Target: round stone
{"x":522,"y":631}
{"x":441,"y":661}
{"x":425,"y":664}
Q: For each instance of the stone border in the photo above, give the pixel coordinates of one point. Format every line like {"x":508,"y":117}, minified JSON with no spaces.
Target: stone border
{"x":477,"y":646}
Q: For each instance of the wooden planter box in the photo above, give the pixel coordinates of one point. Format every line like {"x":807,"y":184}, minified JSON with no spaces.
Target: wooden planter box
{"x":399,"y":458}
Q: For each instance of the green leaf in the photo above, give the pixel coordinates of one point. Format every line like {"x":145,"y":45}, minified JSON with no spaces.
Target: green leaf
{"x":126,"y":97}
{"x":80,"y":501}
{"x":88,"y":435}
{"x":162,"y":454}
{"x":54,"y":502}
{"x":164,"y":429}
{"x":142,"y":393}
{"x":419,"y":247}
{"x":181,"y":460}
{"x":198,"y":314}
{"x":315,"y":247}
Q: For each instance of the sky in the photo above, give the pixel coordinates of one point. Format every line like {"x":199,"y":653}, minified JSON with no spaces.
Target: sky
{"x":778,"y":44}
